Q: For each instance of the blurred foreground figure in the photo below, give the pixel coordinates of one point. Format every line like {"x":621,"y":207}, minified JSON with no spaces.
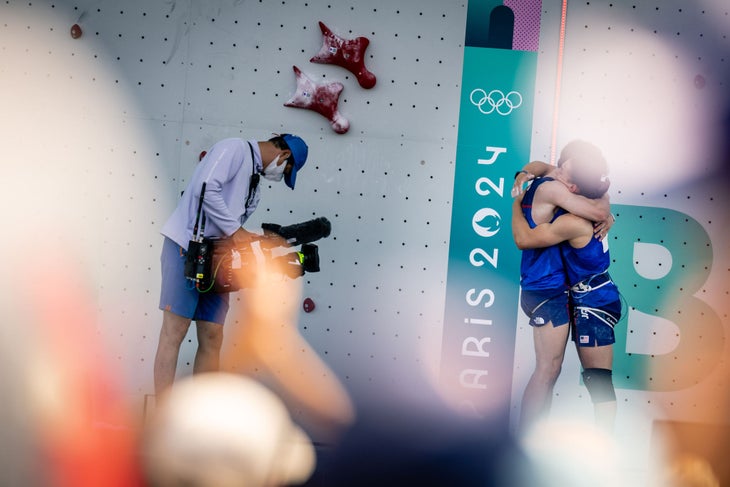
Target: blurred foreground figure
{"x":65,"y":421}
{"x":265,"y":343}
{"x":219,"y":430}
{"x":689,"y":471}
{"x":410,"y":435}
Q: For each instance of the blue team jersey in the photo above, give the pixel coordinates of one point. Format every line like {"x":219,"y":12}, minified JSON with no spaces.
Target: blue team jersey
{"x":585,"y":262}
{"x":595,"y":300}
{"x":541,"y":269}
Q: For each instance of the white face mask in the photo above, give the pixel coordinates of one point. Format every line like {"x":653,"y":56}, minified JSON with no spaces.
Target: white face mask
{"x":274,"y":172}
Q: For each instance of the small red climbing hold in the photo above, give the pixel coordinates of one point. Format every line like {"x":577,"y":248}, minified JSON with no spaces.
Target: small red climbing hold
{"x":202,"y":154}
{"x":700,"y":81}
{"x":308,"y":305}
{"x":76,"y":31}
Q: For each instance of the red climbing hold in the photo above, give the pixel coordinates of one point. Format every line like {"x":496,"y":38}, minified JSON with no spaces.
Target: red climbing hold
{"x":76,"y":31}
{"x":346,"y":53}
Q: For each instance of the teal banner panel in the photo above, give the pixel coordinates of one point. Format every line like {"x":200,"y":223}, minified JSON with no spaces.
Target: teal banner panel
{"x":482,"y":288}
{"x":674,"y":297}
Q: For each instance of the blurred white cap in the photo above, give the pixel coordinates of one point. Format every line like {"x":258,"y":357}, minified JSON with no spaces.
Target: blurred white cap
{"x":221,"y":429}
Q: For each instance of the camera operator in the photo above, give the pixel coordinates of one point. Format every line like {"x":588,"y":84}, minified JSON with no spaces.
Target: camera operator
{"x":230,"y":171}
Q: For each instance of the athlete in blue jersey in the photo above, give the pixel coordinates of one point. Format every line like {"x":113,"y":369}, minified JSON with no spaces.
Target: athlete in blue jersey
{"x":594,"y":299}
{"x":541,"y":268}
{"x":544,"y":282}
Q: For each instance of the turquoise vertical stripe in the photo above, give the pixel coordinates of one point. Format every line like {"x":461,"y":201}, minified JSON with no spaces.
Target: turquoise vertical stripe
{"x":482,"y":289}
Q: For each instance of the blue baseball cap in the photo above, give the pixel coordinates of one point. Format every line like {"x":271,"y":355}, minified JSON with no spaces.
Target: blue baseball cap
{"x":299,"y":151}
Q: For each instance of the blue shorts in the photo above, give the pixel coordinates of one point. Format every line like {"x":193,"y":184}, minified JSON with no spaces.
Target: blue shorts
{"x":546,"y":306}
{"x":595,"y":313}
{"x":179,"y":294}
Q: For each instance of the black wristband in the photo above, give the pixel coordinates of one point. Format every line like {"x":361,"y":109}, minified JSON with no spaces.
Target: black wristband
{"x":520,"y":172}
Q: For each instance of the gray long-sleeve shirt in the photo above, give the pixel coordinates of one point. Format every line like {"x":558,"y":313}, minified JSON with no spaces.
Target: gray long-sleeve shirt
{"x":226,"y":169}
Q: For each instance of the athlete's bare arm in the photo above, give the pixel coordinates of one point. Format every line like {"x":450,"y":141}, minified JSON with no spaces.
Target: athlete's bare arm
{"x":566,"y":227}
{"x":557,"y":193}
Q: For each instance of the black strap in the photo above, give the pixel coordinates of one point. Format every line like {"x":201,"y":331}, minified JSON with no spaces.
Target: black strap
{"x":253,"y":184}
{"x":255,"y":177}
{"x":200,"y":210}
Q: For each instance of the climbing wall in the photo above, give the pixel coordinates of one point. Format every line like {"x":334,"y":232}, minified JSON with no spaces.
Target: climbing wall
{"x":105,"y":127}
{"x":171,"y":78}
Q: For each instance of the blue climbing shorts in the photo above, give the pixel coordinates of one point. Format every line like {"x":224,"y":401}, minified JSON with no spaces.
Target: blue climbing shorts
{"x":546,"y":306}
{"x":596,"y":307}
{"x":179,"y":295}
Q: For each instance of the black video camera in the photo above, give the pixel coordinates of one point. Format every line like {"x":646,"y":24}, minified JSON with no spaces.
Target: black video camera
{"x":217,"y":265}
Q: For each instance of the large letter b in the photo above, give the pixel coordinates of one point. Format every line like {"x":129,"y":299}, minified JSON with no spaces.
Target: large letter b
{"x":671,"y":339}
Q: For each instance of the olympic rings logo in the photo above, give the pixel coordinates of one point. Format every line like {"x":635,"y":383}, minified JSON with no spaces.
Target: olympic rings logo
{"x":495,"y":100}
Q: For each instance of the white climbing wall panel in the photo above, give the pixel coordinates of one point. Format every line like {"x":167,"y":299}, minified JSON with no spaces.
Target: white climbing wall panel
{"x":108,"y":127}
